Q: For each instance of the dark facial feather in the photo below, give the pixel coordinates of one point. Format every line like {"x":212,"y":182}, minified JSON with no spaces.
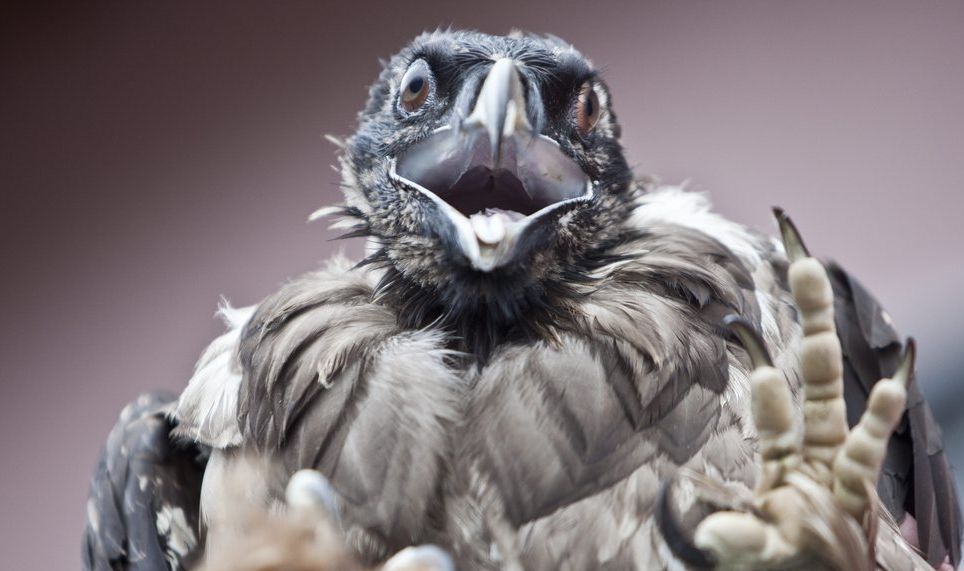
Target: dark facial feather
{"x":425,"y":273}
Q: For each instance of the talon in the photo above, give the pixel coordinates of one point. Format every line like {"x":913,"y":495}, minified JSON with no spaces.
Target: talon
{"x":905,"y":370}
{"x":751,"y":340}
{"x":421,"y":558}
{"x":676,"y":539}
{"x":792,"y":242}
{"x":308,"y":490}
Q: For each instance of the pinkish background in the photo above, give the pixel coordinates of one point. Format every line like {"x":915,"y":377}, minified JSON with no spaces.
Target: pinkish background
{"x":155,"y":156}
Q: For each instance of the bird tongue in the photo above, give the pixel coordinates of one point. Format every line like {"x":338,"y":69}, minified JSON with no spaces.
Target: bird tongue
{"x":490,"y":225}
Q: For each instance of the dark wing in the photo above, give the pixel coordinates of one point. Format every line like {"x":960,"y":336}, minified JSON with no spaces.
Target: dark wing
{"x":142,"y":512}
{"x":916,"y":477}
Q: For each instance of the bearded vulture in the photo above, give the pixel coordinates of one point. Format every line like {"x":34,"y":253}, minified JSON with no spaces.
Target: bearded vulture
{"x":543,"y":362}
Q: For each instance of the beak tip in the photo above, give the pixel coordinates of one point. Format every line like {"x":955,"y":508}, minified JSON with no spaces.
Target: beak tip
{"x":500,"y":105}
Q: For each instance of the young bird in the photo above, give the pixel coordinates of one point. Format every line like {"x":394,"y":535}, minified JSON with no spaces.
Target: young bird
{"x":535,"y":341}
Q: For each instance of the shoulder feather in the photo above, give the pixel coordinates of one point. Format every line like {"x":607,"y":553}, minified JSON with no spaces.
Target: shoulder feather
{"x":207,"y":410}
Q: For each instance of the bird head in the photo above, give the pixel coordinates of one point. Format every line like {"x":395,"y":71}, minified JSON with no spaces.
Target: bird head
{"x":488,"y":173}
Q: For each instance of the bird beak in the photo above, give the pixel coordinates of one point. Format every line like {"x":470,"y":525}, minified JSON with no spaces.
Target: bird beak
{"x":500,"y":108}
{"x":491,"y":176}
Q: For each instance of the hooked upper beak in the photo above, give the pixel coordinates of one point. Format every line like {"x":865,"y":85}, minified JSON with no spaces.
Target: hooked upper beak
{"x":501,"y":107}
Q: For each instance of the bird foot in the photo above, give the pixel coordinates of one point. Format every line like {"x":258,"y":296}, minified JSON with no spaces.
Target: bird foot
{"x":815,"y":504}
{"x":306,"y":535}
{"x":310,"y":496}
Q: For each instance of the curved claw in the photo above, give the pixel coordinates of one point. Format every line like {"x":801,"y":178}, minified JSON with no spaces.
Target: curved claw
{"x":421,"y":558}
{"x":751,"y":340}
{"x":676,"y":539}
{"x":792,"y":242}
{"x":905,"y":370}
{"x":309,"y":490}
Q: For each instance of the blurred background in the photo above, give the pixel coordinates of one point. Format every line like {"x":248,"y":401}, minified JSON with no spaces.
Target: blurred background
{"x":155,"y":156}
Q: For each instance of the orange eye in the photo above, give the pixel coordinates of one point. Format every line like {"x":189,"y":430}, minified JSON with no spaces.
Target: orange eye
{"x":587,"y":108}
{"x":416,"y":85}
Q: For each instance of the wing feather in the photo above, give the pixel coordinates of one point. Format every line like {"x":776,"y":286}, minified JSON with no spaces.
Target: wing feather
{"x":142,"y":511}
{"x":916,"y":477}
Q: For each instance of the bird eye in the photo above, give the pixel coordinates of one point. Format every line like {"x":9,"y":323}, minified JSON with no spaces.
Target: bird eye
{"x":587,"y":108}
{"x":416,"y":85}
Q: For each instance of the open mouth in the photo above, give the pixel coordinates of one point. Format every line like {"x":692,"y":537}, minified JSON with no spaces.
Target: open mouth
{"x":491,"y":175}
{"x":530,"y":174}
{"x":492,"y":200}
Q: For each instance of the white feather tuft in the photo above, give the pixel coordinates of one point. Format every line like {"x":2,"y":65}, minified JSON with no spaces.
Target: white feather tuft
{"x":676,"y":205}
{"x":324,"y":212}
{"x":342,"y":224}
{"x":208,"y":408}
{"x":337,"y":141}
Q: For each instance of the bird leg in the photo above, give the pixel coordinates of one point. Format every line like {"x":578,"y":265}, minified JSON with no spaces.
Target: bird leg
{"x":815,"y":505}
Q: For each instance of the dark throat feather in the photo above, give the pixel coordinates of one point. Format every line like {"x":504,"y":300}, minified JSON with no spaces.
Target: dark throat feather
{"x":483,"y":311}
